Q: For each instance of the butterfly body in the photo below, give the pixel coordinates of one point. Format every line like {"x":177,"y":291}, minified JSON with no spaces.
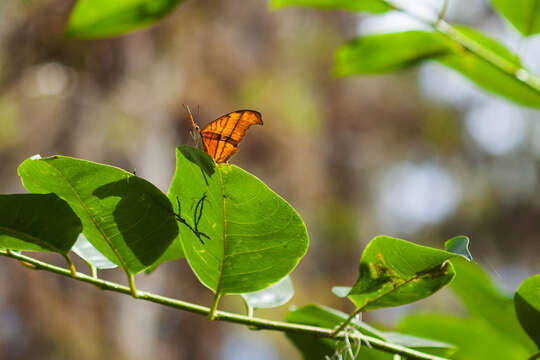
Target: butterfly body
{"x":221,"y":137}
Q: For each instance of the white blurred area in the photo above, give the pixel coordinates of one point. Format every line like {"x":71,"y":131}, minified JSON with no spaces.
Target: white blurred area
{"x":465,"y":11}
{"x":411,"y":196}
{"x":48,"y":79}
{"x":247,"y":345}
{"x":497,"y":127}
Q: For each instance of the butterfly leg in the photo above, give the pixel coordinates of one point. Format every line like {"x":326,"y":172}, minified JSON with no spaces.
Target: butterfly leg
{"x":195,"y":231}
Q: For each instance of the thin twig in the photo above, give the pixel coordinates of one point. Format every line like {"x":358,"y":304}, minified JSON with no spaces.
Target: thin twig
{"x":259,"y":323}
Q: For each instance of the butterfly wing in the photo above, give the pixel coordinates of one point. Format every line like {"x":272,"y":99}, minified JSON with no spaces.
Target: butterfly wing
{"x":222,"y":136}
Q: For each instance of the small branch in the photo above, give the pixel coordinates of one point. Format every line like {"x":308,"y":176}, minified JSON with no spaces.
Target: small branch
{"x":419,"y":275}
{"x":92,"y":268}
{"x":258,"y":323}
{"x":70,"y":265}
{"x":132,"y":287}
{"x":344,"y":324}
{"x":503,"y":64}
{"x":535,"y":356}
{"x":442,"y":12}
{"x":213,"y":309}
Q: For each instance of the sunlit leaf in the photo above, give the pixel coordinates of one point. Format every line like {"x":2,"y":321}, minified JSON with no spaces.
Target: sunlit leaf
{"x":237,"y":234}
{"x":36,"y":222}
{"x":523,"y":14}
{"x":396,"y":272}
{"x":372,"y":6}
{"x":488,"y":76}
{"x":473,"y":337}
{"x":104,"y":18}
{"x":484,"y":300}
{"x":381,"y":53}
{"x":124,"y":217}
{"x":527,"y":303}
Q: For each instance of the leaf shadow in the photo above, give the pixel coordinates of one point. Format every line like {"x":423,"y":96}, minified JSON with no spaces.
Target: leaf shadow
{"x":144,"y":216}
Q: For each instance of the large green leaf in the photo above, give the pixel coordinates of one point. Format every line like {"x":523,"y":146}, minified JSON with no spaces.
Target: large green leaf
{"x":375,"y":54}
{"x":396,"y":272}
{"x":487,"y":75}
{"x":125,"y":217}
{"x":474,"y":338}
{"x":372,"y":6}
{"x":527,"y":303}
{"x":523,"y":14}
{"x":313,"y":347}
{"x":36,"y":222}
{"x":238,"y":236}
{"x":485,"y":301}
{"x":104,"y":18}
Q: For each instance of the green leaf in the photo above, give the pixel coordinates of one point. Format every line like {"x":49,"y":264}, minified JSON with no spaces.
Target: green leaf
{"x":105,"y":18}
{"x":459,"y":245}
{"x":276,"y":295}
{"x":317,"y":348}
{"x":527,"y":303}
{"x":124,"y":217}
{"x":238,"y":236}
{"x":483,"y":300}
{"x":381,"y":53}
{"x":486,"y":75}
{"x":32,"y":222}
{"x":173,"y":252}
{"x":86,"y":251}
{"x":372,"y":6}
{"x":396,"y":272}
{"x":474,"y":338}
{"x":523,"y":14}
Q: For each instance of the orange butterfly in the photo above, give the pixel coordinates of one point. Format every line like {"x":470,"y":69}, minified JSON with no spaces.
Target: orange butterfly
{"x":221,"y":137}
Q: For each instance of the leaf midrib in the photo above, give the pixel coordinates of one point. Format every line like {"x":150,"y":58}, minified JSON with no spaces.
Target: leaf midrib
{"x":31,"y":238}
{"x":96,"y":225}
{"x":222,"y":188}
{"x":394,"y":288}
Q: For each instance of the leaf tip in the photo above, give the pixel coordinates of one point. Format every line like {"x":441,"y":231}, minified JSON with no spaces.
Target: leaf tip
{"x":459,"y":245}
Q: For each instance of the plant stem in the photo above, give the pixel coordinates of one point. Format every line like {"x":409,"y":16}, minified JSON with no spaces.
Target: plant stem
{"x":503,"y":64}
{"x":344,"y":324}
{"x":213,"y":309}
{"x":132,"y":287}
{"x":70,"y":265}
{"x":258,"y":323}
{"x":535,"y":356}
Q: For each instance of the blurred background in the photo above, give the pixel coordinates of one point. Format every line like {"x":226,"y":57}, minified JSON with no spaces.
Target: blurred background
{"x":420,"y":154}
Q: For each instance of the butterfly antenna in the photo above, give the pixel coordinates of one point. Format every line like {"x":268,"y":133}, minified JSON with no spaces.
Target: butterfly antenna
{"x":190,"y":117}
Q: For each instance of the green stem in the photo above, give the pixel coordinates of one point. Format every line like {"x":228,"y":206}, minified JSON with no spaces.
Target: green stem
{"x":344,"y":324}
{"x":91,"y":267}
{"x":213,"y":309}
{"x":70,"y":265}
{"x":132,"y":288}
{"x":476,"y":48}
{"x":419,"y":275}
{"x":259,"y":323}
